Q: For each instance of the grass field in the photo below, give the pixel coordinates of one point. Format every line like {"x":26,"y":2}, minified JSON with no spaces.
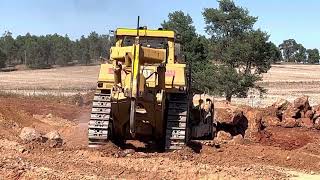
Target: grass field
{"x":282,"y":81}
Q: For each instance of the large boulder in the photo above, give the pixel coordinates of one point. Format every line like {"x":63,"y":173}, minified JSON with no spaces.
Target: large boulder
{"x":29,"y":134}
{"x":254,"y":118}
{"x":228,"y":115}
{"x":302,"y":103}
{"x":253,"y":132}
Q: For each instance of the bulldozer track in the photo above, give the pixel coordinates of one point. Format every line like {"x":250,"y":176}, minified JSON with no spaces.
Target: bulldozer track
{"x":176,"y":129}
{"x":99,"y":127}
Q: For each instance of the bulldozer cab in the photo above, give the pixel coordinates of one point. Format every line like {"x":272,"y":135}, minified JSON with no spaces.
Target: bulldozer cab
{"x":156,"y":39}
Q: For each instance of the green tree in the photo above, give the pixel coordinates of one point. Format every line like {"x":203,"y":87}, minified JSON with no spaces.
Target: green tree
{"x":193,"y":46}
{"x":313,"y":56}
{"x":241,"y":52}
{"x":3,"y":59}
{"x":95,"y":49}
{"x":85,"y":51}
{"x":301,"y":54}
{"x":9,"y":47}
{"x":289,"y":48}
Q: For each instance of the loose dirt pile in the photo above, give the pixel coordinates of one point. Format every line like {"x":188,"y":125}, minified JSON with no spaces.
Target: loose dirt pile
{"x":249,"y":145}
{"x":252,"y":123}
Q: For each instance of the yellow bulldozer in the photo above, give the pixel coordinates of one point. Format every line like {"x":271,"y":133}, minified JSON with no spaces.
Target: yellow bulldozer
{"x":143,"y":92}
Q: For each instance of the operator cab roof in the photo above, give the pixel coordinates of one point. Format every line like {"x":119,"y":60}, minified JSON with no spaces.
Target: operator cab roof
{"x":145,"y":32}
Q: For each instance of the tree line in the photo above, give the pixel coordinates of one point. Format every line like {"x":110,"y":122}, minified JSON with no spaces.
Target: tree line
{"x":297,"y":53}
{"x":46,"y":51}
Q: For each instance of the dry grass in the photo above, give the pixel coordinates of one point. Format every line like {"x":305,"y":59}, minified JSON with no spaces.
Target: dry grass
{"x":282,"y":81}
{"x":292,"y":81}
{"x":65,"y":78}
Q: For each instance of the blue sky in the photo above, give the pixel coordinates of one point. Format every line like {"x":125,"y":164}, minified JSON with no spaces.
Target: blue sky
{"x":282,"y":19}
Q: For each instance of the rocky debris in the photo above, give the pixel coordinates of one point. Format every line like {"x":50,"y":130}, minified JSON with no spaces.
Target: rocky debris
{"x":289,"y":123}
{"x":281,"y":104}
{"x":29,"y":134}
{"x":291,"y":112}
{"x":238,"y":139}
{"x":223,"y":137}
{"x":252,"y":136}
{"x":271,"y":121}
{"x":316,"y":110}
{"x":309,"y":114}
{"x":12,"y":145}
{"x":302,"y":103}
{"x":317,"y":123}
{"x":54,"y":139}
{"x":124,"y":153}
{"x":53,"y":135}
{"x":305,"y":122}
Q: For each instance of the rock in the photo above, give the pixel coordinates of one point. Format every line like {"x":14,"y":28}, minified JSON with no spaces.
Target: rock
{"x":291,"y":112}
{"x":270,"y":121}
{"x":56,"y":143}
{"x":127,"y":152}
{"x":302,"y":103}
{"x":252,"y":136}
{"x":281,"y":104}
{"x":228,"y":115}
{"x":53,"y":135}
{"x":22,"y":150}
{"x":271,"y":111}
{"x":223,"y":136}
{"x":28,"y":134}
{"x":309,"y":114}
{"x":289,"y":123}
{"x":49,"y":116}
{"x":316,"y":110}
{"x":254,"y":118}
{"x":54,"y":139}
{"x":317,"y":123}
{"x":238,"y":139}
{"x":305,"y":122}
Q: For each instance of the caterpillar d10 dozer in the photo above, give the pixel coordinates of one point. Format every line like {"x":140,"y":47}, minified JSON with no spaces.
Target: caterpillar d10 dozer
{"x":143,"y":93}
